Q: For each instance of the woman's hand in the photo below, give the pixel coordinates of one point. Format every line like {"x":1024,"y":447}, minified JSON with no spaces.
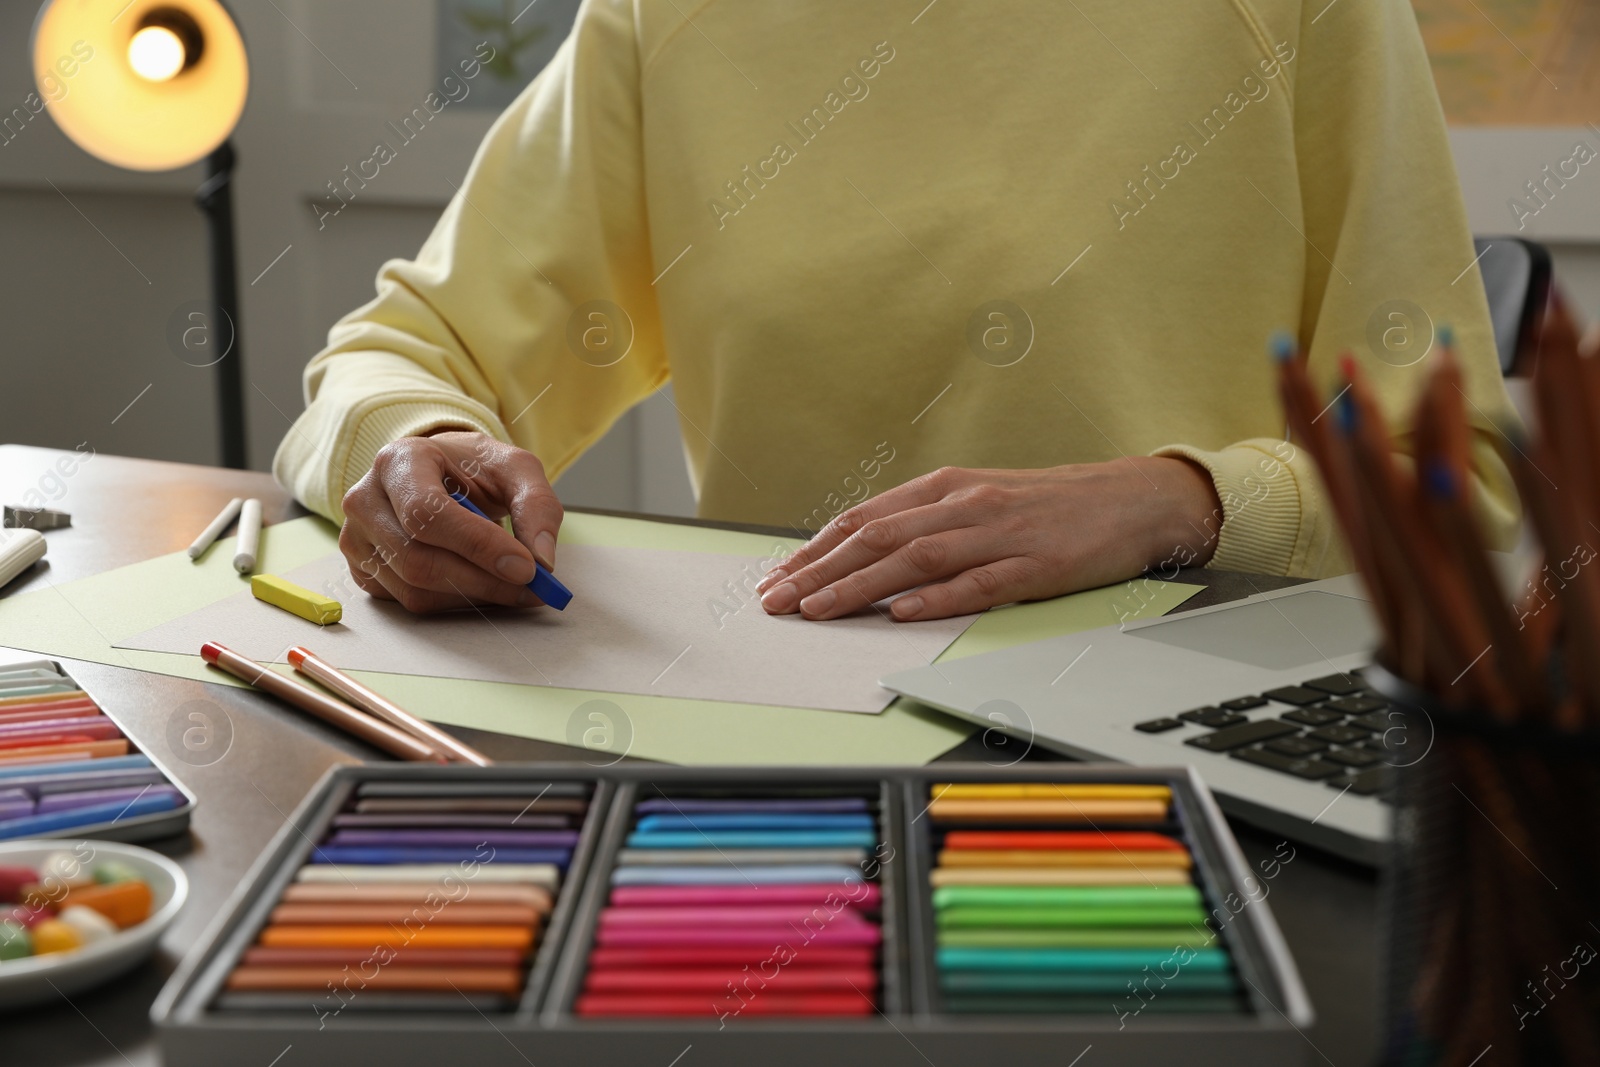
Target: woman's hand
{"x":406,"y":540}
{"x":972,"y":539}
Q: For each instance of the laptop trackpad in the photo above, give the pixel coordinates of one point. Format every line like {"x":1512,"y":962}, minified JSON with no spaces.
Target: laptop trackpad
{"x":1278,"y":634}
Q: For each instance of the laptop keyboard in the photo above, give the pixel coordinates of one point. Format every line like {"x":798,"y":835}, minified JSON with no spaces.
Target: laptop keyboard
{"x":1329,"y":729}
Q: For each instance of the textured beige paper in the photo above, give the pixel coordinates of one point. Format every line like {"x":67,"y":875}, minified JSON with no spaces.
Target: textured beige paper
{"x":641,"y":621}
{"x":79,"y":620}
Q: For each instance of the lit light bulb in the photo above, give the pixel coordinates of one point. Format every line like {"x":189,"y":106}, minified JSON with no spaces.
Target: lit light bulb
{"x":156,"y":54}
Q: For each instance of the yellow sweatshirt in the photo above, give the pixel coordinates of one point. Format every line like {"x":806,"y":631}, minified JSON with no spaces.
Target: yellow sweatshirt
{"x":868,"y":240}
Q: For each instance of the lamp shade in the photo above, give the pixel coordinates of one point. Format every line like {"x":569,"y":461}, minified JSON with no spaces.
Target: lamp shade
{"x":145,"y":85}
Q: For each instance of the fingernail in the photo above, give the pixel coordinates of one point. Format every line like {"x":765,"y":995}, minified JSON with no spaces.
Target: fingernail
{"x":782,"y":599}
{"x":544,"y":550}
{"x":527,"y":599}
{"x":515,"y":569}
{"x":773,"y":575}
{"x":906,"y":607}
{"x":819,"y":603}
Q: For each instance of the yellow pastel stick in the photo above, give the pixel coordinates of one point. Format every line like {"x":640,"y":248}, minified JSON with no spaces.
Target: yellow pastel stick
{"x":1049,"y":790}
{"x":1043,"y":857}
{"x":313,"y":607}
{"x":1124,"y":875}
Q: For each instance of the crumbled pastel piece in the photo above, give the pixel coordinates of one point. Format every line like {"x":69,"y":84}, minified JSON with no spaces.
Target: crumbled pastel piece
{"x":53,"y":935}
{"x":25,"y":916}
{"x":115,"y":871}
{"x":45,"y":896}
{"x":14,"y":942}
{"x":89,"y":924}
{"x":65,"y":868}
{"x":12,"y":879}
{"x":124,"y":903}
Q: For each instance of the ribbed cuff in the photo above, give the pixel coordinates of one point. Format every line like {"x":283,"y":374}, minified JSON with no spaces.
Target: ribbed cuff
{"x":1261,"y":508}
{"x":391,"y":419}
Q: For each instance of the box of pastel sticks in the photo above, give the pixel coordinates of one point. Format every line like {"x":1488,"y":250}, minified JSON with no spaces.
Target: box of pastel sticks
{"x":67,"y":768}
{"x":562,"y":914}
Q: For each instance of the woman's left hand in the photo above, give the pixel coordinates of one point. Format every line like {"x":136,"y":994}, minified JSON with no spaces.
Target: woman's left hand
{"x":967,"y":540}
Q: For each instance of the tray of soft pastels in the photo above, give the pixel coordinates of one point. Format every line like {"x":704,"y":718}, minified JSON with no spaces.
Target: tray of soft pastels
{"x":561,"y":914}
{"x":74,"y":914}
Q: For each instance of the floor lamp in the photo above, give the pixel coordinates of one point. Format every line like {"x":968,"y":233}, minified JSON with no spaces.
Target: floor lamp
{"x":156,"y":85}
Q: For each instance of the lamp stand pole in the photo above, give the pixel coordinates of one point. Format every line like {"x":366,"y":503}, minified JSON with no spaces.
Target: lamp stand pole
{"x":215,"y":198}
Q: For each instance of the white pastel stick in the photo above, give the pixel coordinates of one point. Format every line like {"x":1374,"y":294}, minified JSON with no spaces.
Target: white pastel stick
{"x":19,"y":550}
{"x":214,"y":531}
{"x":244,"y":553}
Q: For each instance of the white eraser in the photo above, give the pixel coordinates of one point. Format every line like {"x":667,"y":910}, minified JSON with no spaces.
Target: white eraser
{"x":19,"y":550}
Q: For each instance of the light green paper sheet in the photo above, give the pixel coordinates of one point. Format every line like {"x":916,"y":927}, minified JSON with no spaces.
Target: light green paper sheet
{"x":80,"y":620}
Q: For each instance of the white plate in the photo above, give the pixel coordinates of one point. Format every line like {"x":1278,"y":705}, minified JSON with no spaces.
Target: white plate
{"x":57,"y":974}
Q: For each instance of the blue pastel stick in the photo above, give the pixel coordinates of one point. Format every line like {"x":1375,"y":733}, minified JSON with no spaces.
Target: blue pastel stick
{"x":824,"y":874}
{"x":755,"y":821}
{"x":110,"y":763}
{"x":686,"y":806}
{"x":369,"y":856}
{"x":465,"y":838}
{"x":544,"y":584}
{"x":34,"y":825}
{"x":42,"y":783}
{"x":755,"y":839}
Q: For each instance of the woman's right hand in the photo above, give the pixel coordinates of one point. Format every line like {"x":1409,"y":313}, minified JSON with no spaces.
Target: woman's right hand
{"x":406,"y":540}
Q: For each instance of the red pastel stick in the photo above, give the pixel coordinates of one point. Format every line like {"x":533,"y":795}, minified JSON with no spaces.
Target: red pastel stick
{"x":858,"y":895}
{"x":754,"y":936}
{"x":98,"y":727}
{"x":704,"y":956}
{"x":740,"y":915}
{"x":57,"y":710}
{"x":768,"y":1004}
{"x":1077,"y":840}
{"x":718,"y":980}
{"x":48,"y":739}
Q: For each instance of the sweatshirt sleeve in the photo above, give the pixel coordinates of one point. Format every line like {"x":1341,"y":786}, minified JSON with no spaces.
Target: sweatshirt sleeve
{"x":528,"y":314}
{"x":1383,"y":222}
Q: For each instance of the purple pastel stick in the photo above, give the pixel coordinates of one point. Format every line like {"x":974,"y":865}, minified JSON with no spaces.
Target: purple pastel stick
{"x":670,"y":805}
{"x":15,"y":803}
{"x":54,"y":802}
{"x":425,"y":838}
{"x":484,"y":820}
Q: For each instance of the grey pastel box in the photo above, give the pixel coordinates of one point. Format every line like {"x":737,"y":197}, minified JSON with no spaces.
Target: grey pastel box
{"x":911,"y":1025}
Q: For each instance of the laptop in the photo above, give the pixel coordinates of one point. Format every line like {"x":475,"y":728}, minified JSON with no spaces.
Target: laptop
{"x":1263,"y":696}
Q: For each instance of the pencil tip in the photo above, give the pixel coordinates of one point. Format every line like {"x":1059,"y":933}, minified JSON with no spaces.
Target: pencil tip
{"x":1347,"y":365}
{"x":1447,"y":336}
{"x":1346,"y":406}
{"x":1281,"y":346}
{"x":1440,"y":479}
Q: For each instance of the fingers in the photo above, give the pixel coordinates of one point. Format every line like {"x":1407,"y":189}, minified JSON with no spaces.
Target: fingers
{"x":920,"y":561}
{"x":890,"y":536}
{"x":978,"y":589}
{"x":520,"y":484}
{"x":417,"y":481}
{"x":421,"y":577}
{"x":916,"y":493}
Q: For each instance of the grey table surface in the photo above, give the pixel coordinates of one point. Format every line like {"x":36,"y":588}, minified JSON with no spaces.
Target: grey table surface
{"x":127,"y":510}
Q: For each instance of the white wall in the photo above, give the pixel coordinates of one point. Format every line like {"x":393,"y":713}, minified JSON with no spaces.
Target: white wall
{"x":86,"y":287}
{"x":85,"y":297}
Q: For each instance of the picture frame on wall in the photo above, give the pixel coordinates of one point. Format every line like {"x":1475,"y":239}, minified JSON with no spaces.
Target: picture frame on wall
{"x":519,"y":37}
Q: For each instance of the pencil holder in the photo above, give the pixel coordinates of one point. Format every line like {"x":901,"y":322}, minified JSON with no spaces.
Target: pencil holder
{"x":1492,"y":899}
